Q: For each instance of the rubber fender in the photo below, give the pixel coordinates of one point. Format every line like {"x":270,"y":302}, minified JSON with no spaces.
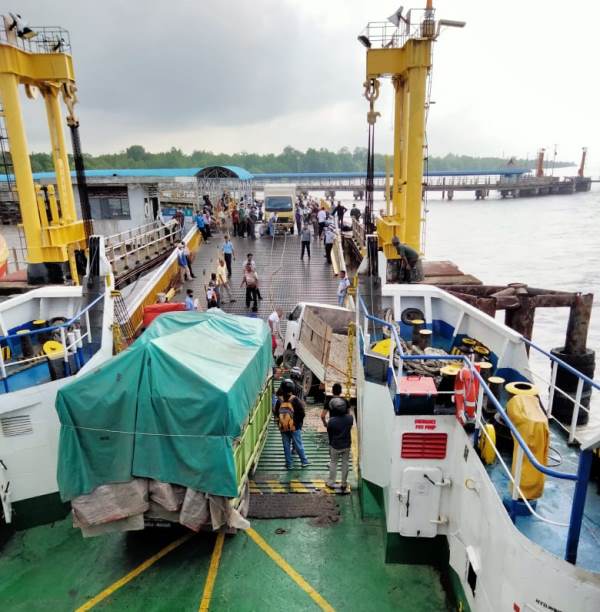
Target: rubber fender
{"x":486,"y":448}
{"x":410,"y":314}
{"x":584,"y":363}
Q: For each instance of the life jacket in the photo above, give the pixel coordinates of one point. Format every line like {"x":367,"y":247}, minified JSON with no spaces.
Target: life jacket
{"x":286,"y":415}
{"x":466,"y":389}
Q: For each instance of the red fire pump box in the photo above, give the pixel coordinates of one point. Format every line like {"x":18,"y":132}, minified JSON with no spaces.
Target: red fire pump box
{"x":416,"y":395}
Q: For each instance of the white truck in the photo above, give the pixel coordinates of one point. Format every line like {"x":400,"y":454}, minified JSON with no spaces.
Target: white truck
{"x":317,"y":341}
{"x":281,"y":200}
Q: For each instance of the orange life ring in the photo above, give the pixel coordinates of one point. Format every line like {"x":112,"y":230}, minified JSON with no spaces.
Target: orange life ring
{"x":466,"y":389}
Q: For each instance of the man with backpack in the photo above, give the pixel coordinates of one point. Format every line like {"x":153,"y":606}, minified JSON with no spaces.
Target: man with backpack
{"x":339,"y":427}
{"x":289,"y":416}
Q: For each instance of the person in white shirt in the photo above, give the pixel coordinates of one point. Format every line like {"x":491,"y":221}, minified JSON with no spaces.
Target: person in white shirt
{"x":274,"y":325}
{"x":343,"y":285}
{"x":330,"y":234}
{"x":250,"y":260}
{"x":321,"y":218}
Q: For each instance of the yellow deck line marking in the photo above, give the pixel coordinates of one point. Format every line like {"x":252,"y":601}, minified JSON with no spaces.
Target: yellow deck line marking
{"x":297,"y":487}
{"x":276,"y":486}
{"x":289,"y":570}
{"x":115,"y":586}
{"x":213,"y":569}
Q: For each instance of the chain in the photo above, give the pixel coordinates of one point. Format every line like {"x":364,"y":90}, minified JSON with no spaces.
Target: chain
{"x":349,"y":359}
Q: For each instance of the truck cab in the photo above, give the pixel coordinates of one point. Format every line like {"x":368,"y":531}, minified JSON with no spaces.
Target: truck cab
{"x":281,"y":200}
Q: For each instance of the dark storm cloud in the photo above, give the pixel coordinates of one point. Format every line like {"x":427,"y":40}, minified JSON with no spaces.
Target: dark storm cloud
{"x":172,"y":64}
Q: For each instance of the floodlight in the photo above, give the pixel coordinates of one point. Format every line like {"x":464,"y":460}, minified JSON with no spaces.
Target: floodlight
{"x":364,"y":40}
{"x":58,"y":45}
{"x":396,"y":18}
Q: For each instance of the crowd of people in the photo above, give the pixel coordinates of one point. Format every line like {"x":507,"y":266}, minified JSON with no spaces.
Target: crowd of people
{"x":315,"y":220}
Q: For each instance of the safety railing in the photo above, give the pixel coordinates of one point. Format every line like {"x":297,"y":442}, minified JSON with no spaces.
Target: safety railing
{"x":127,"y":252}
{"x":17,"y":259}
{"x":553,"y":388}
{"x":160,"y":280}
{"x":581,"y":477}
{"x":358,"y":232}
{"x":71,"y":336}
{"x":416,"y":23}
{"x":38,"y":39}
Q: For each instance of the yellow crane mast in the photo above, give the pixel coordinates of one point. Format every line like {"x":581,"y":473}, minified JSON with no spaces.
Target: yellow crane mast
{"x":400,"y":48}
{"x":40,"y":61}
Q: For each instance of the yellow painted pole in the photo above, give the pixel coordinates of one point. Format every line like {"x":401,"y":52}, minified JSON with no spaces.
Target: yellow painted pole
{"x":398,"y":191}
{"x":387,"y":186}
{"x":60,"y":156}
{"x":417,"y":81}
{"x":22,"y":167}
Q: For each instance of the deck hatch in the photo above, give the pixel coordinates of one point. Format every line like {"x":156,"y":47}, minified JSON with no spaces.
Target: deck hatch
{"x":424,"y":445}
{"x":16,"y":425}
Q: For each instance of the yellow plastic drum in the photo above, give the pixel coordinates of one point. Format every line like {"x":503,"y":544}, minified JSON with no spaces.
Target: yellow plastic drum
{"x":521,"y":388}
{"x":53,"y":349}
{"x":486,"y":445}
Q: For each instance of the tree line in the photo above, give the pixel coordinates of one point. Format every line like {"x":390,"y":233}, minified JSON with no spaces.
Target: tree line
{"x":289,"y":160}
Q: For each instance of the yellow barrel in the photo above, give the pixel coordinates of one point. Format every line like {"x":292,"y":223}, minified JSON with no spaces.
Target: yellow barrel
{"x":521,"y":388}
{"x":531,"y":422}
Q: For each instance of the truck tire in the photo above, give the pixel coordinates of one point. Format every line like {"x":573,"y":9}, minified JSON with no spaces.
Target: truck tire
{"x":410,"y":314}
{"x":307,"y":382}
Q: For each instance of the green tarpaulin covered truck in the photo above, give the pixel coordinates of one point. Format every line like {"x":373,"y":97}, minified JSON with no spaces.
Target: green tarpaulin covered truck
{"x":185,"y":407}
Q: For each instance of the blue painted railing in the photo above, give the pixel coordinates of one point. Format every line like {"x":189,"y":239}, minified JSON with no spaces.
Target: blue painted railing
{"x":581,"y":477}
{"x":44,"y":330}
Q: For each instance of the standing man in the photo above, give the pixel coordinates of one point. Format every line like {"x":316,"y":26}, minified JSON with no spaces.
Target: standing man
{"x":250,"y":260}
{"x":329,"y":239}
{"x":339,"y":428}
{"x":235,"y":220}
{"x":274,"y":325}
{"x":343,"y":285}
{"x":321,"y":218}
{"x":182,"y":263}
{"x":180,"y":218}
{"x":251,"y":281}
{"x":289,"y":415}
{"x":340,"y":210}
{"x":242,"y":221}
{"x":298,"y":215}
{"x":223,"y":280}
{"x":201,"y":225}
{"x":228,"y":253}
{"x":314,"y":211}
{"x":188,"y":257}
{"x":305,"y":240}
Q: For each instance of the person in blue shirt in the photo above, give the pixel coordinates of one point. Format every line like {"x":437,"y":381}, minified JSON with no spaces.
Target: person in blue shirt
{"x":201,"y":225}
{"x":182,"y":263}
{"x":228,"y":253}
{"x":190,"y":303}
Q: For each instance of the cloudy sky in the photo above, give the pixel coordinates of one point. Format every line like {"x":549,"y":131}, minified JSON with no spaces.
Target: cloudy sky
{"x":240,"y":75}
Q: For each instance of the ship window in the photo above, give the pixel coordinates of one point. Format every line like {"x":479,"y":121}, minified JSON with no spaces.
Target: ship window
{"x":16,"y":425}
{"x":110,"y":208}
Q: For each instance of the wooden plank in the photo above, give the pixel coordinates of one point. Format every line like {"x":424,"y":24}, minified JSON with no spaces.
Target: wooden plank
{"x":463,"y":279}
{"x":315,"y":335}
